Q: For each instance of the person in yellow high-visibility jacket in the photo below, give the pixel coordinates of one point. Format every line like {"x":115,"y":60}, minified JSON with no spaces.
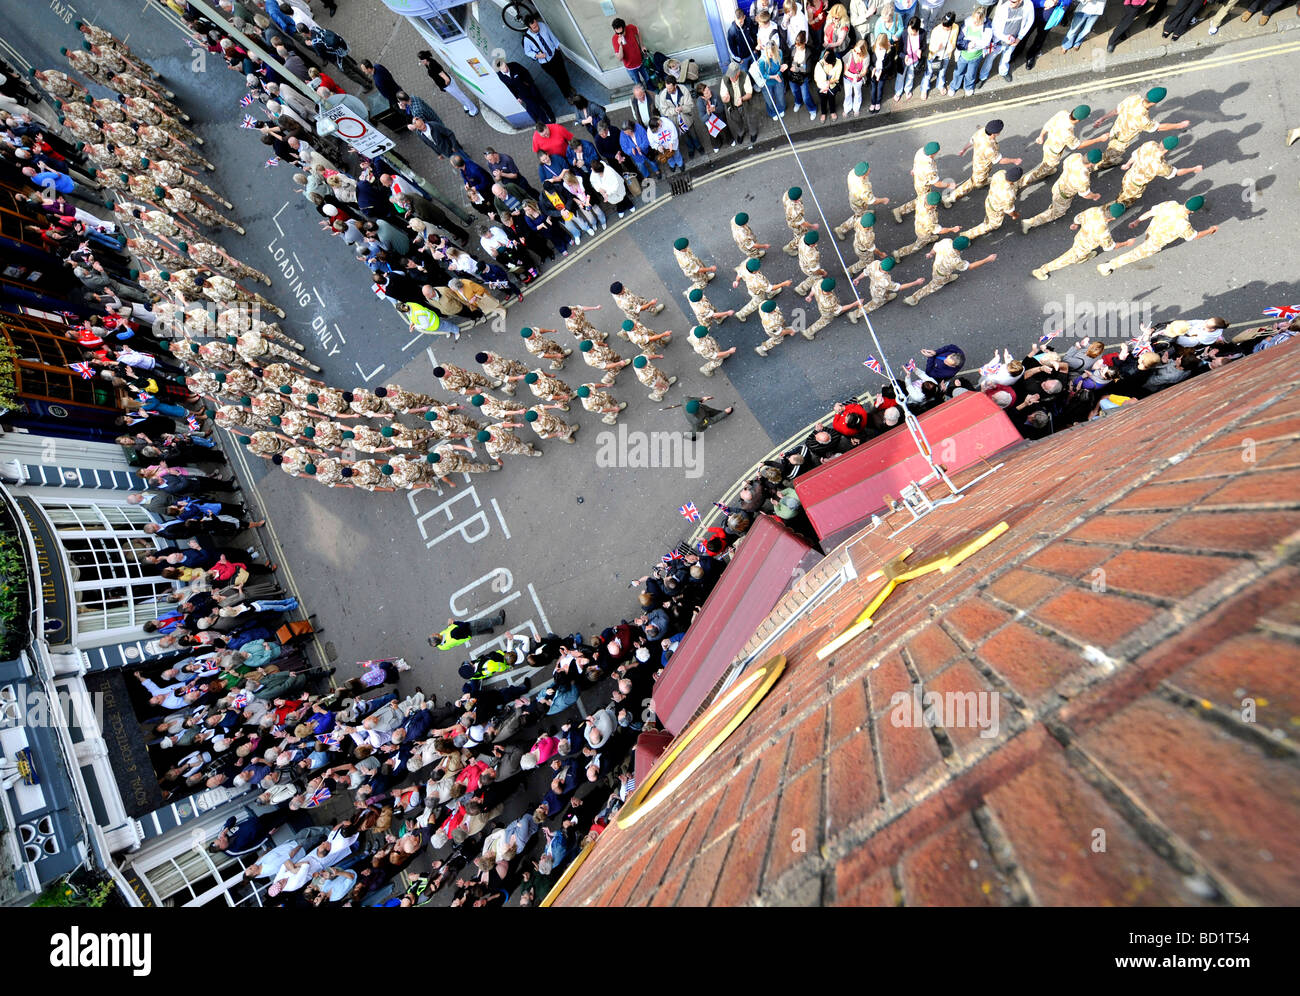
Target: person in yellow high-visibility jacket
{"x":424,"y":319}
{"x":458,"y":632}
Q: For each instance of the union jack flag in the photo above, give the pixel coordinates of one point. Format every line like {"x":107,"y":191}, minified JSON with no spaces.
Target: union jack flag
{"x":872,"y":364}
{"x":726,"y":509}
{"x":1139,"y":346}
{"x":246,"y":100}
{"x":1284,"y":311}
{"x":690,"y":511}
{"x":240,"y":699}
{"x":668,"y":558}
{"x":248,"y":122}
{"x":701,"y":547}
{"x":1047,"y":337}
{"x":317,"y":797}
{"x":910,"y":366}
{"x":142,"y":396}
{"x":84,"y":369}
{"x":193,"y":423}
{"x":990,"y":368}
{"x":273,"y":161}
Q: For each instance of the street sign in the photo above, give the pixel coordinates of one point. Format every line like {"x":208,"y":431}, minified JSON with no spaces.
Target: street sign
{"x":359,"y":133}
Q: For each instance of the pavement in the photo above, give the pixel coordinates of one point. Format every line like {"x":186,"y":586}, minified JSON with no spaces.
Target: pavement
{"x":555,"y":541}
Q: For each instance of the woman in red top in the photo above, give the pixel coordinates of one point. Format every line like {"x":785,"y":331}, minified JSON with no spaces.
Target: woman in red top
{"x":627,"y":46}
{"x":816,"y":11}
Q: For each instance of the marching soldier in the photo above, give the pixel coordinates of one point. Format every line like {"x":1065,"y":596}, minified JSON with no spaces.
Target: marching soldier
{"x":276,"y":375}
{"x":187,"y":283}
{"x":882,"y":286}
{"x":150,"y":252}
{"x":744,"y":237}
{"x":926,"y":225}
{"x":495,"y":408}
{"x":504,"y":371}
{"x":367,"y":440}
{"x":810,"y":262}
{"x":999,"y":202}
{"x":180,"y":201}
{"x":774,"y":325}
{"x":792,"y":205}
{"x":139,"y":186}
{"x":87,"y":130}
{"x":601,"y":356}
{"x":447,"y":458}
{"x":758,"y":286}
{"x":600,"y":402}
{"x":1169,"y":222}
{"x":641,"y":336}
{"x":947,"y":264}
{"x":170,"y":173}
{"x":266,"y":405}
{"x":213,"y":257}
{"x":1132,"y":118}
{"x":1057,"y":138}
{"x":1145,"y":164}
{"x":106,"y":158}
{"x":223,"y":290}
{"x":160,"y":223}
{"x":296,"y":424}
{"x":458,"y":380}
{"x":59,"y":84}
{"x":829,"y":307}
{"x":707,"y":347}
{"x":254,"y":348}
{"x":1075,"y":181}
{"x":235,"y":417}
{"x":405,"y":437}
{"x":651,"y":376}
{"x":925,"y":177}
{"x":576,"y":321}
{"x":861,"y":199}
{"x":446,"y":424}
{"x":266,"y":444}
{"x":864,"y":242}
{"x":364,"y":402}
{"x":371,"y":475}
{"x":705,"y":313}
{"x":403,"y":402}
{"x":986,"y":156}
{"x":104,"y":40}
{"x":549,"y":388}
{"x":499,"y":441}
{"x":545,"y":349}
{"x":632,"y":305}
{"x":86,"y":64}
{"x":161,"y":145}
{"x":145,"y":111}
{"x":220,"y":355}
{"x":692,"y":266}
{"x":239,"y":381}
{"x":102,"y":108}
{"x":548,"y":426}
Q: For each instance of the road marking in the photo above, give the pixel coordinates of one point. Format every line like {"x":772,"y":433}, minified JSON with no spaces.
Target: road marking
{"x":538,"y":602}
{"x":367,"y":377}
{"x":275,"y":220}
{"x":316,"y":292}
{"x":500,"y":518}
{"x":304,"y":270}
{"x":15,"y":55}
{"x":338,"y":331}
{"x":413,"y":342}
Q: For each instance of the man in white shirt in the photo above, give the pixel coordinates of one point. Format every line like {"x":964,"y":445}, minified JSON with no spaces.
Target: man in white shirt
{"x":541,"y":45}
{"x":609,"y":184}
{"x":663,"y":138}
{"x":1011,"y":22}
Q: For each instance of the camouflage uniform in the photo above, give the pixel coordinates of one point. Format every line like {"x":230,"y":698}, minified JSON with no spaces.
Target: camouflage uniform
{"x":156,"y":140}
{"x":1092,"y":236}
{"x":1059,"y":140}
{"x":329,"y":435}
{"x":458,"y":380}
{"x":219,"y":290}
{"x":545,"y":348}
{"x":692,"y":267}
{"x":947,"y":264}
{"x":598,"y":401}
{"x":810,"y":264}
{"x":329,"y":471}
{"x":294,"y":421}
{"x":365,"y":403}
{"x":599,"y":356}
{"x":181,"y":201}
{"x":228,"y":416}
{"x":705,"y":313}
{"x":551,"y":389}
{"x":581,"y":327}
{"x":796,"y":222}
{"x":403,"y":402}
{"x":411,"y":473}
{"x":707,"y":347}
{"x":147,"y":112}
{"x":926,"y":227}
{"x":329,"y":401}
{"x":828,"y":307}
{"x":367,"y":476}
{"x":502,"y":368}
{"x":1145,"y":164}
{"x":639,"y":335}
{"x":368,"y":440}
{"x":759,"y":287}
{"x":61,"y":85}
{"x":102,"y":39}
{"x":860,"y":200}
{"x":454,"y":425}
{"x":160,"y":223}
{"x":925,"y":174}
{"x":106,"y":159}
{"x":549,"y":426}
{"x":883,"y":287}
{"x":266,"y":404}
{"x":864,"y":245}
{"x":633,"y":304}
{"x":169,"y":173}
{"x":505,"y":443}
{"x":456,"y":462}
{"x":985,"y":154}
{"x":267,"y":444}
{"x":746,"y":240}
{"x":1075,"y":181}
{"x":219,"y":354}
{"x":85,"y":130}
{"x":105,"y":110}
{"x":88,"y":66}
{"x":240,"y":381}
{"x":1170,"y":221}
{"x":775,"y":327}
{"x":502,"y":411}
{"x":1132,"y":118}
{"x":276,"y":375}
{"x":652,"y":377}
{"x":204,"y":383}
{"x":404,"y":437}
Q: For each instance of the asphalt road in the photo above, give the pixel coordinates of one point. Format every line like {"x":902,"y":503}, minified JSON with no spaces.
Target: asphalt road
{"x":555,"y":541}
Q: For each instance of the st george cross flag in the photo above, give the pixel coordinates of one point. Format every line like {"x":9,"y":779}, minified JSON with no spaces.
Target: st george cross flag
{"x":872,"y":364}
{"x":246,"y":100}
{"x":83,"y":369}
{"x":1284,"y":311}
{"x":248,"y":122}
{"x":690,"y":511}
{"x":1047,"y":337}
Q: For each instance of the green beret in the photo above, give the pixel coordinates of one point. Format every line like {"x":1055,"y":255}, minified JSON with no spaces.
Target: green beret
{"x":309,"y":468}
{"x":888,"y":263}
{"x":1157,"y":94}
{"x":194,"y":348}
{"x":810,"y":238}
{"x":1195,"y":203}
{"x":1170,"y":143}
{"x":144,"y":163}
{"x":244,"y":441}
{"x":692,"y":406}
{"x":387,"y":431}
{"x":386,"y":469}
{"x":699,"y":331}
{"x":164,"y":275}
{"x":768,"y":306}
{"x":698,"y":295}
{"x":585,"y":346}
{"x":483,"y":436}
{"x":1116,"y":209}
{"x":640,"y":362}
{"x":530,"y":378}
{"x":433,"y":458}
{"x":530,"y":416}
{"x":246,"y":401}
{"x":219,"y":376}
{"x":526,"y":333}
{"x":933,"y":197}
{"x":960,"y":243}
{"x":1081,"y":112}
{"x":158,"y":191}
{"x":285,"y":389}
{"x":348,"y":434}
{"x":583,"y":391}
{"x":753,"y":265}
{"x":309,"y":432}
{"x":931,"y":148}
{"x":477,"y":400}
{"x":433,"y":416}
{"x":861,"y":169}
{"x":794,"y":193}
{"x":1094,"y":156}
{"x":275,"y":420}
{"x":628,"y":325}
{"x":741,"y":219}
{"x":312,"y":398}
{"x":183,"y":246}
{"x":681,"y":244}
{"x":828,"y":284}
{"x":232,"y":340}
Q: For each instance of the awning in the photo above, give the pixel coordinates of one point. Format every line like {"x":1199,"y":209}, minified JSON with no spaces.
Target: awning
{"x":422,"y":8}
{"x":762,"y":570}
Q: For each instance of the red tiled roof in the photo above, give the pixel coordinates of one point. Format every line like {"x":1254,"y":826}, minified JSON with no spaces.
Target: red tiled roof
{"x":1146,"y":593}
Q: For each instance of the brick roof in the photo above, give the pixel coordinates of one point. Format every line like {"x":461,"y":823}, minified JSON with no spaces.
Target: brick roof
{"x":1149,"y":582}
